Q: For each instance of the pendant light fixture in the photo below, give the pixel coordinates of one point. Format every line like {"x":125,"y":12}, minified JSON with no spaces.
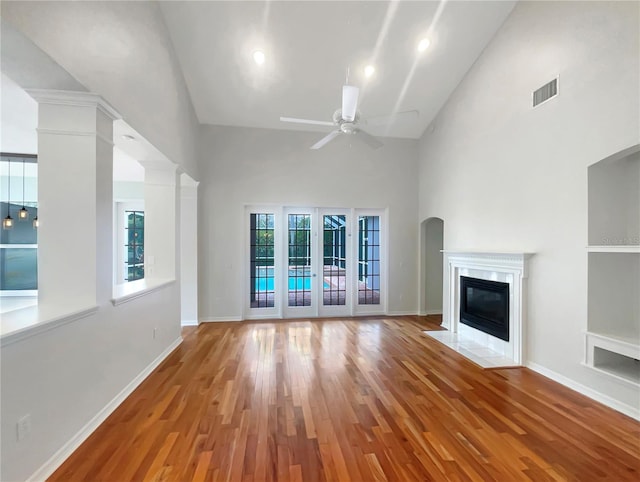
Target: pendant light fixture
{"x":23,"y":214}
{"x":7,"y":223}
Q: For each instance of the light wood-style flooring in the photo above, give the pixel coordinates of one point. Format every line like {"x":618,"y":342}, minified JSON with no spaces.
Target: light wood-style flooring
{"x":368,"y":399}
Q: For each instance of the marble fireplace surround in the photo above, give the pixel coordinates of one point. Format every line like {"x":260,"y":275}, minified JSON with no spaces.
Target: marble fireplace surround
{"x":486,"y":350}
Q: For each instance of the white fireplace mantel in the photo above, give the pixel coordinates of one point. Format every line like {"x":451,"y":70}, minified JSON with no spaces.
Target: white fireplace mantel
{"x":515,"y":261}
{"x":506,"y":267}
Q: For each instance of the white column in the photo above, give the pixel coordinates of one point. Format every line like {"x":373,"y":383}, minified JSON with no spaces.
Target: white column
{"x":75,"y":196}
{"x":161,"y":219}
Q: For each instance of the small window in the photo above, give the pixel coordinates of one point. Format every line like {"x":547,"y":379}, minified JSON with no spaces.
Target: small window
{"x":134,"y":247}
{"x":19,"y":243}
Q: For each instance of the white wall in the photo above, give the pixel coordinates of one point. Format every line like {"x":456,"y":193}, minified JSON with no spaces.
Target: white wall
{"x":62,"y":374}
{"x":240,"y":166}
{"x":504,"y":176}
{"x":188,"y":250}
{"x":434,"y":232}
{"x":614,"y":285}
{"x":128,"y":191}
{"x":161,"y":220}
{"x":28,"y":66}
{"x":64,"y":377}
{"x":128,"y":59}
{"x":19,"y":119}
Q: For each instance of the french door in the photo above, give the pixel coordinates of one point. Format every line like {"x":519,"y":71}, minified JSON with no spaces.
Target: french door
{"x":308,"y":262}
{"x":301,"y":278}
{"x":335,"y":262}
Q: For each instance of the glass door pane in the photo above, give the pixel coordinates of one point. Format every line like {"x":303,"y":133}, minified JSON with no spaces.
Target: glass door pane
{"x":300,"y":276}
{"x":369,"y":260}
{"x":261,"y":260}
{"x":334,"y":260}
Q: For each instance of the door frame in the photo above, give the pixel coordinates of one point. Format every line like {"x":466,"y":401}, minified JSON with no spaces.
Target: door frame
{"x":281,"y":276}
{"x":275,"y":311}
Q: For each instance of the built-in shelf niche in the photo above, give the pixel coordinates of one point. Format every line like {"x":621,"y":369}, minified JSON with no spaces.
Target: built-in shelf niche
{"x":613,"y":326}
{"x":614,"y":200}
{"x":613,"y":297}
{"x":622,"y":366}
{"x":614,"y":357}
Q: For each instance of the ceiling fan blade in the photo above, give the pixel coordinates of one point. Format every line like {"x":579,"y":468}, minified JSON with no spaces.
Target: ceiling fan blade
{"x":325,"y":140}
{"x":369,"y":139}
{"x":349,"y":102}
{"x":380,"y":120}
{"x":306,"y":121}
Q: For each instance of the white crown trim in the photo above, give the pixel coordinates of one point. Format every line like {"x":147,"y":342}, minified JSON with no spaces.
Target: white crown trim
{"x":80,"y":99}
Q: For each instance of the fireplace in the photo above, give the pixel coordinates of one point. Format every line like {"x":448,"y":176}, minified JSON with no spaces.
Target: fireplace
{"x":484,"y":305}
{"x":496,"y":298}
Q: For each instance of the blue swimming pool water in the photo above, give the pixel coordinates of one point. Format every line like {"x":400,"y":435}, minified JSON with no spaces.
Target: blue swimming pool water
{"x":266,"y":284}
{"x":299,"y":279}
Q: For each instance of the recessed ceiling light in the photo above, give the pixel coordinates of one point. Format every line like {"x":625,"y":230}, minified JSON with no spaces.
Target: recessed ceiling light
{"x":127,"y":137}
{"x":423,"y":44}
{"x":258,"y":57}
{"x":369,"y":70}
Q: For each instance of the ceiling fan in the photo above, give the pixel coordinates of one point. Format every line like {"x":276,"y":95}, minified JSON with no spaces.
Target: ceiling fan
{"x":347,"y":120}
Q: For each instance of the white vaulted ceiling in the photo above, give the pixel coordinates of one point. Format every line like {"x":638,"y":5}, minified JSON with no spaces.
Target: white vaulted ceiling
{"x":308,"y":48}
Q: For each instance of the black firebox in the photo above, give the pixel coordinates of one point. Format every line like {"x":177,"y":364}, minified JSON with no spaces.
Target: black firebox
{"x":484,"y":305}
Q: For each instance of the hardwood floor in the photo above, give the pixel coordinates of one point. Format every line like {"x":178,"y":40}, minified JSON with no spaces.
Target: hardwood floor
{"x":353,"y":399}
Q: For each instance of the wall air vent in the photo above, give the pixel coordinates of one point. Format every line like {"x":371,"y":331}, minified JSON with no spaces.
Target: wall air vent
{"x":546,"y":92}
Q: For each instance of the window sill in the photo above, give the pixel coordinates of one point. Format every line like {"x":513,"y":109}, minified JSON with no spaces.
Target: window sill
{"x":135,"y":289}
{"x":26,"y":322}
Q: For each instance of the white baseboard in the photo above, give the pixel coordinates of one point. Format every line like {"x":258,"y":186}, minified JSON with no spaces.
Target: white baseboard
{"x":628,"y":410}
{"x":401,"y":313}
{"x":68,"y":448}
{"x":220,"y":319}
{"x":189,"y":323}
{"x":432,"y":312}
{"x":268,"y":317}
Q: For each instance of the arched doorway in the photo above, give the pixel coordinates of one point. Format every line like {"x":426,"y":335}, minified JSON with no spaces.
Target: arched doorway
{"x":431,"y":245}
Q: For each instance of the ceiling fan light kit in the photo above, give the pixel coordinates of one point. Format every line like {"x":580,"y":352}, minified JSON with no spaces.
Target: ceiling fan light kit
{"x":349,"y":102}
